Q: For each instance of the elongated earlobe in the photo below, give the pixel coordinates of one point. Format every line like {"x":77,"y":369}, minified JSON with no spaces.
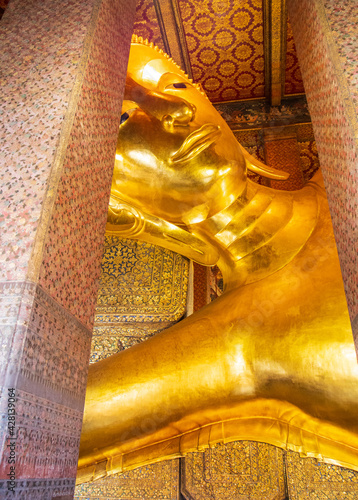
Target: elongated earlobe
{"x":255,"y":165}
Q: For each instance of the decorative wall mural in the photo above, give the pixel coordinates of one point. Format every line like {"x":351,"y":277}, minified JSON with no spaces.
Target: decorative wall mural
{"x":247,"y":470}
{"x":142,"y":291}
{"x":140,"y":283}
{"x":260,"y":114}
{"x":240,"y":470}
{"x":308,"y":479}
{"x":153,"y":482}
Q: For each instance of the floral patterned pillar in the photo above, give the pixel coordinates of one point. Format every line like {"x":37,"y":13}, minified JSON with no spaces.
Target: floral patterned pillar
{"x":63,"y":68}
{"x":326,"y":38}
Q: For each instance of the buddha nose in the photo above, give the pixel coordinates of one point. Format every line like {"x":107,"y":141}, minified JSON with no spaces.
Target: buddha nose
{"x":181,"y":112}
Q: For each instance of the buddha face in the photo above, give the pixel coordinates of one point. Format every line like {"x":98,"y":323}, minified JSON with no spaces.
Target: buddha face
{"x":176,"y":158}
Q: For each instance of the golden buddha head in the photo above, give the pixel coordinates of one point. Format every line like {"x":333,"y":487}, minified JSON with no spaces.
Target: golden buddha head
{"x":176,"y":157}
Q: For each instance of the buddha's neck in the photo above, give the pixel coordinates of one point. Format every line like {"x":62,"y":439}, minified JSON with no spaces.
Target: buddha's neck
{"x":260,"y":232}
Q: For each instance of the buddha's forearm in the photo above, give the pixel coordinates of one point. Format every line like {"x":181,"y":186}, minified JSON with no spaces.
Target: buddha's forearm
{"x":214,"y":368}
{"x":155,"y":384}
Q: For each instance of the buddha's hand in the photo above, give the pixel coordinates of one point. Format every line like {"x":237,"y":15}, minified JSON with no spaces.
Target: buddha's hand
{"x":123,"y":219}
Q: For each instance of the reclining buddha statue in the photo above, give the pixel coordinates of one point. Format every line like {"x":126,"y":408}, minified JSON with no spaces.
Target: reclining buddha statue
{"x":272,"y":359}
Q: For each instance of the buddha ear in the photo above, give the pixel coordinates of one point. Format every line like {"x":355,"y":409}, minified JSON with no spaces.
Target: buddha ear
{"x":255,"y":165}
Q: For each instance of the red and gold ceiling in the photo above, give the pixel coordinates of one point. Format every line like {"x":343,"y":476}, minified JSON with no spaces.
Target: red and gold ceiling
{"x":229,"y":46}
{"x":225,"y":44}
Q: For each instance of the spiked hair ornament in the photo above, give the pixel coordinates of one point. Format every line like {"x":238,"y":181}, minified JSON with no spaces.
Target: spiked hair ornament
{"x":141,"y":41}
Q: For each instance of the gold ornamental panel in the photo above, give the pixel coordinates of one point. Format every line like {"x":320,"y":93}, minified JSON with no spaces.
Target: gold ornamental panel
{"x":140,"y":283}
{"x":308,"y":479}
{"x":142,"y":291}
{"x":241,"y":470}
{"x":152,"y":482}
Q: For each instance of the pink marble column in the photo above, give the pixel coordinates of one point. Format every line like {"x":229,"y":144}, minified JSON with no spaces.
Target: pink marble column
{"x":63,"y":68}
{"x":326,"y":38}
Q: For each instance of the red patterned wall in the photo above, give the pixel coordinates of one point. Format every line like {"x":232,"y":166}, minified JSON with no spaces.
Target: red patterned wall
{"x":293,"y":77}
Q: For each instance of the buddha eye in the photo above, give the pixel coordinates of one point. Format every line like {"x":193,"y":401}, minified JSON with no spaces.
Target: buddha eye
{"x":126,"y":115}
{"x":177,"y":85}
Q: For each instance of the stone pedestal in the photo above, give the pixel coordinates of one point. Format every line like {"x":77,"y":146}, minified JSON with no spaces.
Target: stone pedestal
{"x":62,"y":75}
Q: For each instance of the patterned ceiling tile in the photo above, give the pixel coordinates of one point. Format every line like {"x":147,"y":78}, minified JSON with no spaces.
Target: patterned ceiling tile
{"x":293,"y":77}
{"x":146,"y":23}
{"x":225,"y":43}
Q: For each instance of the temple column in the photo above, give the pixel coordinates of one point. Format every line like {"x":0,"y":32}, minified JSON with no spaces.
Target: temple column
{"x":326,"y":39}
{"x":63,"y":69}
